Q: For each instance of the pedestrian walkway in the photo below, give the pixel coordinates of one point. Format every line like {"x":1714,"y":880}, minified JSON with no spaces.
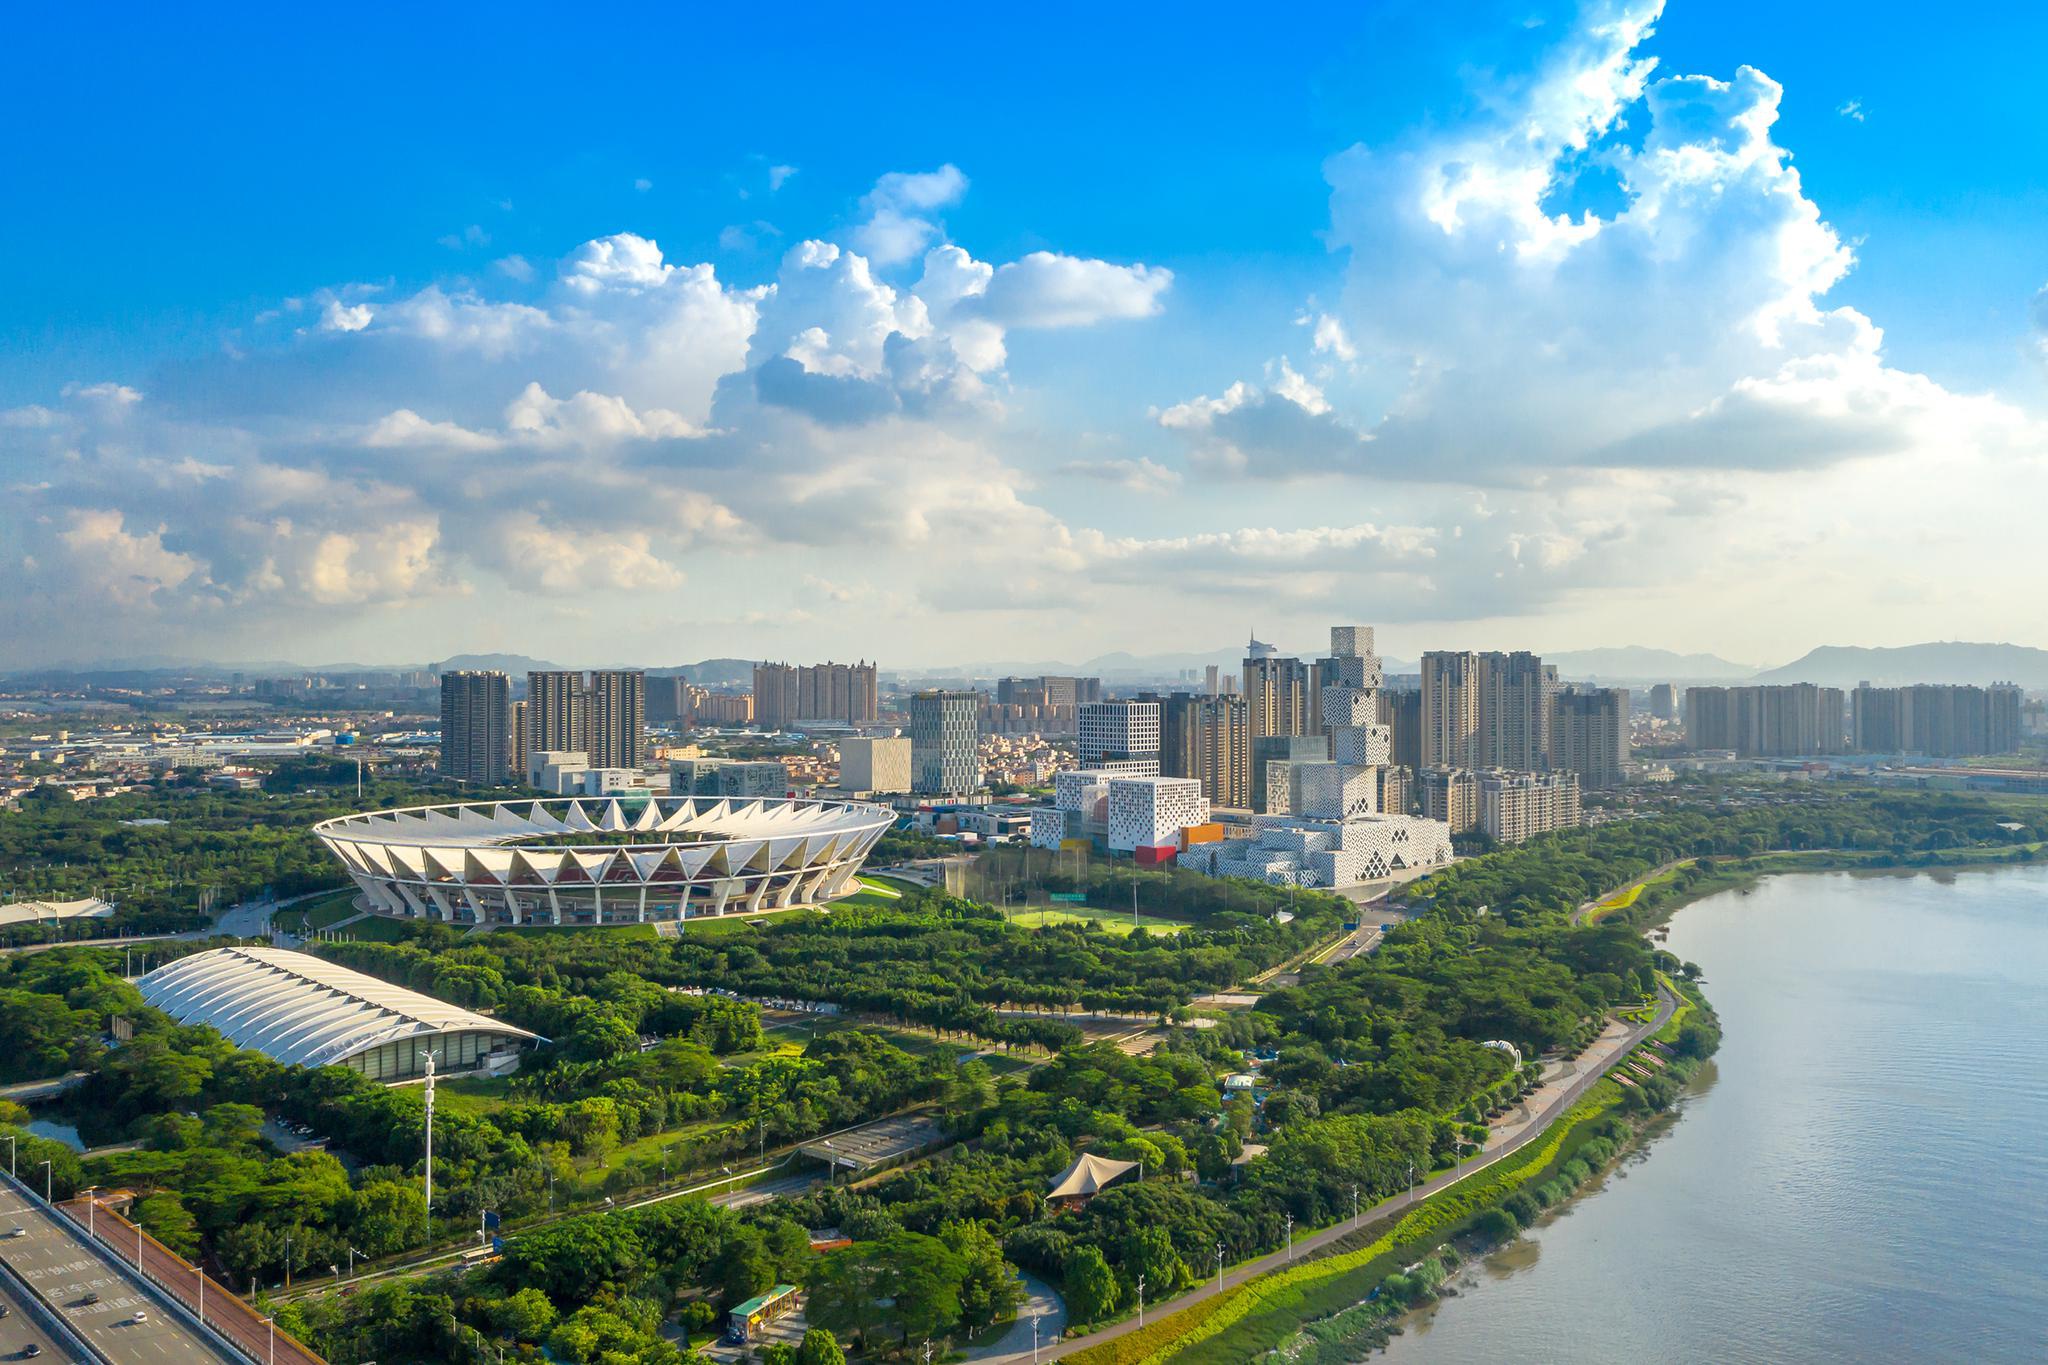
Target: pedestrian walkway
{"x":1572,"y":1089}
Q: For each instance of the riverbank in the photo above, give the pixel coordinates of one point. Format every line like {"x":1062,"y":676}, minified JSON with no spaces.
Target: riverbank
{"x":1649,"y":902}
{"x":1848,"y":1180}
{"x":1267,"y":1300}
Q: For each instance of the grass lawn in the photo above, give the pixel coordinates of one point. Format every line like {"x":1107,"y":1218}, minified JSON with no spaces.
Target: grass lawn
{"x":647,"y":1151}
{"x":739,"y":924}
{"x":1112,"y":921}
{"x":316,"y":913}
{"x":376,"y":929}
{"x":896,"y":884}
{"x":623,"y":930}
{"x":481,"y":1096}
{"x":1623,"y":899}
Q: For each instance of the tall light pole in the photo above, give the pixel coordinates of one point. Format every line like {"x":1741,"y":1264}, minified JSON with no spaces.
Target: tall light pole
{"x":1290,"y":1237}
{"x":287,"y":1261}
{"x":200,"y":1271}
{"x":271,"y":1323}
{"x":1219,"y":1267}
{"x":1354,"y":1206}
{"x":430,"y":1146}
{"x":10,"y":1156}
{"x":48,"y":1174}
{"x":1141,"y":1301}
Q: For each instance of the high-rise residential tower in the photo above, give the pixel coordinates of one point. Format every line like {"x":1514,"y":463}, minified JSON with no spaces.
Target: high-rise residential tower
{"x":475,"y":705}
{"x":554,"y":712}
{"x":1278,"y":691}
{"x":616,"y":704}
{"x":1589,"y":734}
{"x":1208,"y":737}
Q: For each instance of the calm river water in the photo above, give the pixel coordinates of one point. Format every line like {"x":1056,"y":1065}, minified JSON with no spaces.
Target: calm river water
{"x":1861,"y":1176}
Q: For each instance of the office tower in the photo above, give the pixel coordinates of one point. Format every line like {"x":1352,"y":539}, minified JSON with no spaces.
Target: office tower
{"x":1514,"y":806}
{"x":1788,"y":720}
{"x":1589,"y":734}
{"x":1450,"y":795}
{"x":1401,"y":712}
{"x":1277,"y":688}
{"x":1119,"y":733}
{"x":1209,"y":739}
{"x":614,"y":717}
{"x":516,"y":741}
{"x":554,"y":712}
{"x":874,"y":765}
{"x":943,"y":761}
{"x":1214,"y":684}
{"x":474,"y":708}
{"x":1664,"y":702}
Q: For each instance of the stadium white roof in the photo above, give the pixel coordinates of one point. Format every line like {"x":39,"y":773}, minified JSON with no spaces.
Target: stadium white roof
{"x":37,"y":912}
{"x":300,"y":1009}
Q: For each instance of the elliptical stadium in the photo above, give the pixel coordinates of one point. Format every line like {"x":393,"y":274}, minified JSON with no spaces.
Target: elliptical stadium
{"x":604,"y":860}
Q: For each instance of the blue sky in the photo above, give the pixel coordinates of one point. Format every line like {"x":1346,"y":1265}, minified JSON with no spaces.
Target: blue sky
{"x":235,"y":220}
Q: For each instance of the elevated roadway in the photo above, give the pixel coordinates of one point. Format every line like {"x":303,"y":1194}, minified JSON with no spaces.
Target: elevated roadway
{"x":91,"y":1291}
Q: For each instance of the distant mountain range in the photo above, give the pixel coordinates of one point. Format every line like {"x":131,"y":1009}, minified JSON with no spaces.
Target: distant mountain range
{"x":1830,"y":666}
{"x":1637,"y":663}
{"x":1946,"y":662}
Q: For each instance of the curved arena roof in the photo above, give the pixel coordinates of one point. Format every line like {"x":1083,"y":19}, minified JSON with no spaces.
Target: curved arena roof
{"x":301,"y":1009}
{"x":604,"y":860}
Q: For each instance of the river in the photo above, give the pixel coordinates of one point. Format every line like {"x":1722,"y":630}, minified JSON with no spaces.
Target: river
{"x":1861,"y":1174}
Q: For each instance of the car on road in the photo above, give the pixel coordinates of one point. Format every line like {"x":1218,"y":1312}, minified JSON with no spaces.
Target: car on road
{"x":17,"y":1232}
{"x":91,"y":1297}
{"x":141,"y":1315}
{"x":31,"y":1350}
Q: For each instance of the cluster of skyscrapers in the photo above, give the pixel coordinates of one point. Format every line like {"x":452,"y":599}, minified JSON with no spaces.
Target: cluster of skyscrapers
{"x":786,"y":695}
{"x":1801,"y":719}
{"x":1934,"y":720}
{"x":487,"y":738}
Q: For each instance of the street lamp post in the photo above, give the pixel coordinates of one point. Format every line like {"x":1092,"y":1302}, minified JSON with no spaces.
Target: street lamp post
{"x":48,"y":1176}
{"x":1219,"y":1267}
{"x":271,"y":1323}
{"x":1290,"y":1237}
{"x":1354,"y":1206}
{"x":200,"y":1271}
{"x":10,"y":1155}
{"x":1141,"y":1301}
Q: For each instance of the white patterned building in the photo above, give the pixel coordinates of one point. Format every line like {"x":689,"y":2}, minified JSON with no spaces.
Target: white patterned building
{"x":1335,"y":834}
{"x":1146,"y":812}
